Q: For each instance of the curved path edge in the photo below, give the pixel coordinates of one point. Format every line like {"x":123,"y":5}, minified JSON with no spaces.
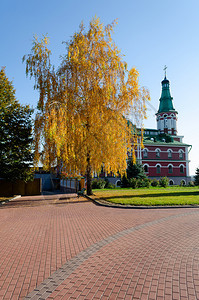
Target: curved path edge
{"x":105,"y":203}
{"x":45,"y":289}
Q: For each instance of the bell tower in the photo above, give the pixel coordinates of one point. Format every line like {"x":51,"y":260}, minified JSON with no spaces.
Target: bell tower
{"x":166,"y":115}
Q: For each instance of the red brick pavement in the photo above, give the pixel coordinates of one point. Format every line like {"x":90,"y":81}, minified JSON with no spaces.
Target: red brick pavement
{"x":159,"y":261}
{"x":154,"y":261}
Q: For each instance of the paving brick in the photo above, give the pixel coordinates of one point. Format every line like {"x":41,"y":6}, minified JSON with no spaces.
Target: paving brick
{"x":114,"y":253}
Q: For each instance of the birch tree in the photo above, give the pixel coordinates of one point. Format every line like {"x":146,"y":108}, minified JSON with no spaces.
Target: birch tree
{"x":83,"y":107}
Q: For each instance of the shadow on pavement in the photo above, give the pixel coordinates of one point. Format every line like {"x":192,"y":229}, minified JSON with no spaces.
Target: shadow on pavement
{"x":47,"y":198}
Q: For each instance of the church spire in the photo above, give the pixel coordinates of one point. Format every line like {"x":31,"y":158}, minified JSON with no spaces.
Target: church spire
{"x":166,"y":115}
{"x":166,"y":101}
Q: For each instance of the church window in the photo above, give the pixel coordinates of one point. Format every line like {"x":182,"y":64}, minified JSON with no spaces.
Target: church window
{"x":146,"y":169}
{"x":171,"y":182}
{"x":165,"y":121}
{"x":158,"y":169}
{"x":170,"y":169}
{"x":157,"y":153}
{"x":182,"y":182}
{"x":172,"y":123}
{"x":181,"y":169}
{"x":181,"y":154}
{"x":145,"y":153}
{"x":169,"y":153}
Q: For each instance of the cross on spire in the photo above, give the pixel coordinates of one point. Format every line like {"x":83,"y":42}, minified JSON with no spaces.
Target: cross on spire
{"x":165,"y":68}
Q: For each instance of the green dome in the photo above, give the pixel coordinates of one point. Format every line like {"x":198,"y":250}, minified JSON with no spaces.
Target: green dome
{"x":166,"y":103}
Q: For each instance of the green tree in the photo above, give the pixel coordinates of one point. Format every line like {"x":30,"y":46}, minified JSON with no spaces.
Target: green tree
{"x":135,"y":170}
{"x":196,"y":177}
{"x":15,"y":134}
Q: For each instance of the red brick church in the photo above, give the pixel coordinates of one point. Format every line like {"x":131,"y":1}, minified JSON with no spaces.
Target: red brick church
{"x":164,"y":152}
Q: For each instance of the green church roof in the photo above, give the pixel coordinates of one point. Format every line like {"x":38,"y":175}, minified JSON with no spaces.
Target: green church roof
{"x":166,"y":101}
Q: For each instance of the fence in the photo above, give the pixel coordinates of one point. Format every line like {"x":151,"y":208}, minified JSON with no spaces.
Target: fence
{"x":19,"y":187}
{"x":72,"y":185}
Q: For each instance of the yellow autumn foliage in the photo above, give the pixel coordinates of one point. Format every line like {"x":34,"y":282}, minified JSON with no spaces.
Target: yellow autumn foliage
{"x":84,"y":105}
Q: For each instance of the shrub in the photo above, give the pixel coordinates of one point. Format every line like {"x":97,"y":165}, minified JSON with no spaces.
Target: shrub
{"x":95,"y":184}
{"x":125,"y":182}
{"x":140,"y":183}
{"x":163,"y":182}
{"x":143,"y":182}
{"x":98,"y":184}
{"x":109,"y":185}
{"x":154,"y":182}
{"x":191,"y":183}
{"x":133,"y":183}
{"x":146,"y":182}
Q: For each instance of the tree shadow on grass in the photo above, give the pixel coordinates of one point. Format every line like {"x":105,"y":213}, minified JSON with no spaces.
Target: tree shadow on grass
{"x":166,"y":194}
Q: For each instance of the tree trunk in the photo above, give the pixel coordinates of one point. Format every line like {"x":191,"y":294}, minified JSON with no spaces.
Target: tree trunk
{"x":88,"y":176}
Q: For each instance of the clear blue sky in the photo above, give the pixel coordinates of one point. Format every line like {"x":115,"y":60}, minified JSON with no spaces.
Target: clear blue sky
{"x":151,"y":34}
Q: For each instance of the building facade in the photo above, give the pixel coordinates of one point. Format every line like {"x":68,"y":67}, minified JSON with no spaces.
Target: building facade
{"x":164,"y":153}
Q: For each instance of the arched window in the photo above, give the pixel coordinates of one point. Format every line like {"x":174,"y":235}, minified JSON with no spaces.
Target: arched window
{"x":170,"y":169}
{"x":157,"y":153}
{"x":172,"y":121}
{"x":182,"y":182}
{"x":169,"y":153}
{"x":171,"y":182}
{"x":158,"y":170}
{"x":145,"y":153}
{"x":181,"y":169}
{"x":118,"y":183}
{"x":181,"y":154}
{"x":146,"y":168}
{"x":165,"y":121}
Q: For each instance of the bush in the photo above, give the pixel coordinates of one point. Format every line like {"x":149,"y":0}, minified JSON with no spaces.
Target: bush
{"x":98,"y":184}
{"x":139,"y":183}
{"x":109,"y":185}
{"x":133,"y":183}
{"x":163,"y":182}
{"x":146,"y":182}
{"x":125,"y":182}
{"x":154,"y":182}
{"x":191,"y":183}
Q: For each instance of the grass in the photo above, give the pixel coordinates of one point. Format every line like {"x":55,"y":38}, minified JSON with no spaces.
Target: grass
{"x":151,"y":196}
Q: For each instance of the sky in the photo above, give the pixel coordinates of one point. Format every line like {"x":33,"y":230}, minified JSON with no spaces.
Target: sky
{"x":151,"y":34}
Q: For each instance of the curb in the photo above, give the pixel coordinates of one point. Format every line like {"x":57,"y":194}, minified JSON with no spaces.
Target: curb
{"x":6,"y":201}
{"x":110,"y":205}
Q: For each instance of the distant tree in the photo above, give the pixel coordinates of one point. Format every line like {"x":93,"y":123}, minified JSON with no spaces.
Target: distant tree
{"x":163,"y":182}
{"x":135,"y":170}
{"x":82,"y":106}
{"x":196,"y":177}
{"x":15,"y":134}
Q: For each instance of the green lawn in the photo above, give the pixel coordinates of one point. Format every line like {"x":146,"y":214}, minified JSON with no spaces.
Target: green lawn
{"x":151,"y":196}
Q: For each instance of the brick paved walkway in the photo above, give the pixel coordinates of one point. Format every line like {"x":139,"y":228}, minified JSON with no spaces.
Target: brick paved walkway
{"x":83,"y":251}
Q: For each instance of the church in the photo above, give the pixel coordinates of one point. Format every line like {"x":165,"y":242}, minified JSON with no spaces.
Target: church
{"x":164,"y":152}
